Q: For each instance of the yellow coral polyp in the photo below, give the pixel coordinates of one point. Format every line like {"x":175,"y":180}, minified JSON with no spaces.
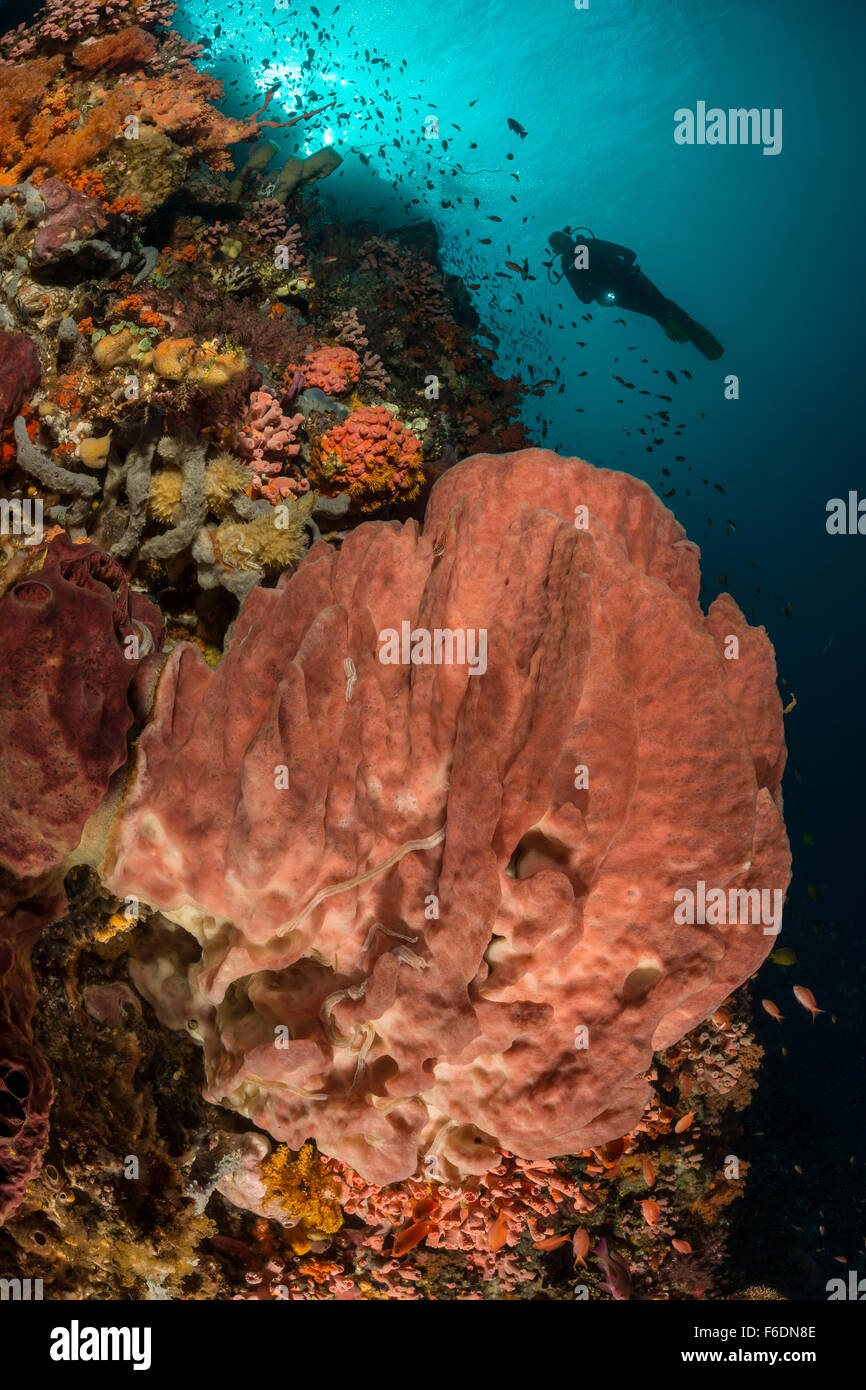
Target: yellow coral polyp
{"x":303,"y":1190}
{"x":270,"y":543}
{"x":165,"y":492}
{"x":119,"y":922}
{"x":226,"y":477}
{"x":174,"y":359}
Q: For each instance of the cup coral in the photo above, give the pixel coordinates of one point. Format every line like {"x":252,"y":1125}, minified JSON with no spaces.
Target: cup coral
{"x":372,"y":456}
{"x":446,"y":922}
{"x":332,"y":369}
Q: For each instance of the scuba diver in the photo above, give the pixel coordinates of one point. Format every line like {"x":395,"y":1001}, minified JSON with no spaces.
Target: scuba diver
{"x":611,"y":277}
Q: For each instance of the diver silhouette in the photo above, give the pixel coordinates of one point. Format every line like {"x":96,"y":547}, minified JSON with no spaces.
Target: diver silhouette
{"x":607,"y":274}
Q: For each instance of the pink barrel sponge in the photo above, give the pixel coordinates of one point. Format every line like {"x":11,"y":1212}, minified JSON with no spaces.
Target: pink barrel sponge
{"x":332,"y":369}
{"x":71,"y":642}
{"x":437,"y":902}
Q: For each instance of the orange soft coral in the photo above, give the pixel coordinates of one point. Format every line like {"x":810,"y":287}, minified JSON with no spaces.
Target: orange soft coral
{"x":87,"y":182}
{"x":131,"y":206}
{"x":25,"y":93}
{"x":122,"y":51}
{"x":372,"y":456}
{"x":77,"y":149}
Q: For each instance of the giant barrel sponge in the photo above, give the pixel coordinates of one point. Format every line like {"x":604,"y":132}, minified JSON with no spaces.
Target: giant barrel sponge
{"x":73,"y":643}
{"x":422,"y":909}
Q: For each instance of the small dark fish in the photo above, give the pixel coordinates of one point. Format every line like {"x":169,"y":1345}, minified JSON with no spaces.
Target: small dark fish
{"x":517,"y":128}
{"x":670,"y":376}
{"x":484,"y":241}
{"x":685,"y":373}
{"x":622,"y":321}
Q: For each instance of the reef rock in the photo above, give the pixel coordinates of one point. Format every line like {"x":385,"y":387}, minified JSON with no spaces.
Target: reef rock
{"x":71,"y":642}
{"x":152,"y":167}
{"x":435,"y":902}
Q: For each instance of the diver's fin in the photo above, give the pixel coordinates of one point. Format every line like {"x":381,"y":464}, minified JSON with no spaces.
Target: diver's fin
{"x":677,"y":326}
{"x":704,"y":341}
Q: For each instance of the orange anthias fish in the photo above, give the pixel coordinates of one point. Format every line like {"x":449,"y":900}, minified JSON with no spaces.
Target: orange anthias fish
{"x":498,"y":1232}
{"x":549,"y":1243}
{"x":411,"y":1236}
{"x":649,"y":1172}
{"x":651,"y":1211}
{"x":580,"y":1244}
{"x":427,"y":1209}
{"x":805,"y":997}
{"x":772,"y":1009}
{"x":683,"y":1122}
{"x":682,"y":1247}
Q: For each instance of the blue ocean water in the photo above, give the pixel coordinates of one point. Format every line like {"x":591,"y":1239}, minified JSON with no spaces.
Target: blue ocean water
{"x":765,"y":251}
{"x":762,"y":249}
